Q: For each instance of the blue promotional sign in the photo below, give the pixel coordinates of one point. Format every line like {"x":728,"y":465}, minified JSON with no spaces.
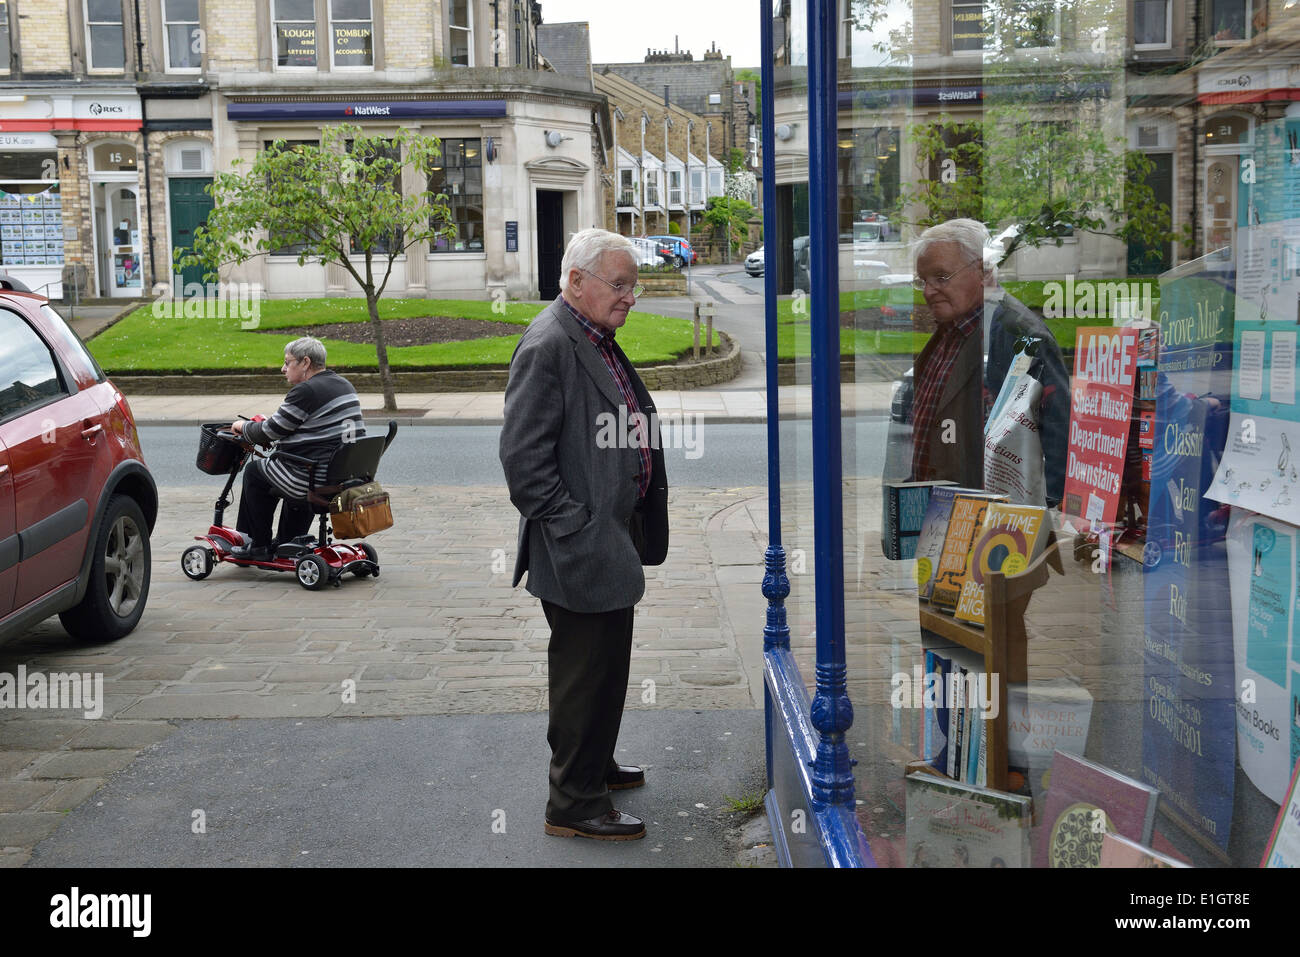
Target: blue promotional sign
{"x":366,"y":110}
{"x":1189,"y":723}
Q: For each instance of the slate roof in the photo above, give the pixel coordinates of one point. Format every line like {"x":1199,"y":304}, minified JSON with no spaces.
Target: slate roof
{"x":568,"y":48}
{"x":689,"y":84}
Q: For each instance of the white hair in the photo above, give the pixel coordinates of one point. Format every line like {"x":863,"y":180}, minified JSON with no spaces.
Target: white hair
{"x":970,"y":234}
{"x":586,"y":248}
{"x":308,"y":348}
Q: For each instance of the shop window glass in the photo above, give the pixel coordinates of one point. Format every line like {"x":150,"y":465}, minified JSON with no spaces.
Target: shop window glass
{"x":28,"y":373}
{"x":1032,"y":24}
{"x":113,"y":158}
{"x":295,"y":32}
{"x":458,"y":175}
{"x":105,"y":35}
{"x":279,"y":248}
{"x":184,"y":39}
{"x":460,"y":24}
{"x":1151,"y":23}
{"x":1229,"y":20}
{"x":969,"y":31}
{"x":388,"y":152}
{"x":5,"y":51}
{"x":352,"y":32}
{"x":31,"y":209}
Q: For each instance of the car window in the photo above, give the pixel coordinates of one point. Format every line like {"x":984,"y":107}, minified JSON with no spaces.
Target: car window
{"x":72,"y":344}
{"x":29,"y":376}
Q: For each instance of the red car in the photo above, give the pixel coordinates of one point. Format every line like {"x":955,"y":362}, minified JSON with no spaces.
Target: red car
{"x":77,"y":503}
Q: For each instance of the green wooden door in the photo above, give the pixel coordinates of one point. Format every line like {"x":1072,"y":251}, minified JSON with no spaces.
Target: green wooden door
{"x":190,"y":206}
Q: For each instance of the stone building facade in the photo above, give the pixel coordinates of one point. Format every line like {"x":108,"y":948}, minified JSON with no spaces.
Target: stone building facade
{"x":111,"y":128}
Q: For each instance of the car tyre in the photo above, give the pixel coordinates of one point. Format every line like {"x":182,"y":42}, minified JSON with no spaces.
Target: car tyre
{"x":196,"y":562}
{"x":119,"y":576}
{"x":678,"y":261}
{"x":313,"y":574}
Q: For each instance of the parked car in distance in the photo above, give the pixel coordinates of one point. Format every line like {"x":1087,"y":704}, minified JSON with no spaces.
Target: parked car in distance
{"x":754,"y":262}
{"x":77,"y":503}
{"x":899,"y":298}
{"x":683,"y":253}
{"x":647,"y":251}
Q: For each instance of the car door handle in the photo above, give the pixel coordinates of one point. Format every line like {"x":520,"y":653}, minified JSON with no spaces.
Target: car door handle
{"x":90,"y":433}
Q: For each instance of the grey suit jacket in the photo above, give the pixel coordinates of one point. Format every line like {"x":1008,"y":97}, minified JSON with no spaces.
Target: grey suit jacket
{"x":582,"y":538}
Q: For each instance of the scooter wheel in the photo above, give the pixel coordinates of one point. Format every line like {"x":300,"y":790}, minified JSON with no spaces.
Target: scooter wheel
{"x":371,"y":556}
{"x":312,"y":572}
{"x":196,"y":562}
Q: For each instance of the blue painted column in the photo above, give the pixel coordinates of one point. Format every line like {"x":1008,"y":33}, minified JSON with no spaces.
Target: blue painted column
{"x":776,"y":585}
{"x":832,"y":713}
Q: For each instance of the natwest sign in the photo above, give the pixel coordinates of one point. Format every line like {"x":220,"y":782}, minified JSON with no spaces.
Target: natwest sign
{"x":393,"y":109}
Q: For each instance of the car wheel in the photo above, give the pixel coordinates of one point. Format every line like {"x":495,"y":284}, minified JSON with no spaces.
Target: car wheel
{"x":119,"y":576}
{"x":1151,"y":554}
{"x":678,"y":261}
{"x":312,"y":572}
{"x":196,"y":562}
{"x":371,"y":556}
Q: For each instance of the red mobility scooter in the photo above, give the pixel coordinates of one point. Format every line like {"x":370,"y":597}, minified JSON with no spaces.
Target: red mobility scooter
{"x":315,"y":561}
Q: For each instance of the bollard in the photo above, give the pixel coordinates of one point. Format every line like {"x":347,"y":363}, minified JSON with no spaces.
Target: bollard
{"x":695,"y":351}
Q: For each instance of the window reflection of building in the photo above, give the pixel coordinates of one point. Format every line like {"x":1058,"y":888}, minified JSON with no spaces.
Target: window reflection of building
{"x":869,"y":174}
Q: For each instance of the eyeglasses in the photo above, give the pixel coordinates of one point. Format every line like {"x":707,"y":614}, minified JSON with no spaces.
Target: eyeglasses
{"x":636,"y":291}
{"x":919,"y":284}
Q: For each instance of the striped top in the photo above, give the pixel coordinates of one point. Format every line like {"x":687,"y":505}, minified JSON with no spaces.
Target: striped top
{"x":317,"y":416}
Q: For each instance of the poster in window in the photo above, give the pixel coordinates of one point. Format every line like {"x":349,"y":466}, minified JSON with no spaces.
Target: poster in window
{"x":353,"y":45}
{"x":296,"y":44}
{"x":1189,"y":732}
{"x":126,"y":270}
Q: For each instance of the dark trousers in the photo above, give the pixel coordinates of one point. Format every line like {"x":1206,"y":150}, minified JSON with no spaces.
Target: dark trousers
{"x":588,"y":661}
{"x":257,"y":501}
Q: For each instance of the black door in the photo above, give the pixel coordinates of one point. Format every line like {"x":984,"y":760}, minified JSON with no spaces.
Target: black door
{"x":550,"y":241}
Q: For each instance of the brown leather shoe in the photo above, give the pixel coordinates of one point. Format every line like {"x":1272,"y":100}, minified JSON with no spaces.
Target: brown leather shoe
{"x":625,"y":777}
{"x":614,"y":826}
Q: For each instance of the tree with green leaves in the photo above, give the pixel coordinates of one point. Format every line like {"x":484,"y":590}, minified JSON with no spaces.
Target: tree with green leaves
{"x":1050,"y":173}
{"x":337,"y":203}
{"x":728,"y":217}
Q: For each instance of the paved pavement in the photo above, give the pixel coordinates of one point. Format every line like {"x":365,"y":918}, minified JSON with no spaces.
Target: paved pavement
{"x":236,"y":664}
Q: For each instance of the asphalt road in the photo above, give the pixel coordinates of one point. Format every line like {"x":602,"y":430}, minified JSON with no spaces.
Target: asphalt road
{"x":709,"y":455}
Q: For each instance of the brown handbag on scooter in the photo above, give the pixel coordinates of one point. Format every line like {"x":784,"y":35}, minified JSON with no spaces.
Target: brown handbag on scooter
{"x":360,"y":511}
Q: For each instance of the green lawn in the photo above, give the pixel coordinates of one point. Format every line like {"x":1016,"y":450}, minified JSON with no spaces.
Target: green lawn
{"x":794,"y":339}
{"x":145,"y":342}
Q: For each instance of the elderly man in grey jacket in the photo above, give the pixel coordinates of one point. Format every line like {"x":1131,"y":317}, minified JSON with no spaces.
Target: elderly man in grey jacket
{"x":593,"y":507}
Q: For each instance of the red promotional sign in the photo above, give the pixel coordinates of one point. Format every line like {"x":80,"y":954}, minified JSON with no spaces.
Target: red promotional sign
{"x":1101,"y":404}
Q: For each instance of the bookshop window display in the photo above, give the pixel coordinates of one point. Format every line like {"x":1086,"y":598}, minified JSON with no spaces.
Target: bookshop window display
{"x":1042,"y":542}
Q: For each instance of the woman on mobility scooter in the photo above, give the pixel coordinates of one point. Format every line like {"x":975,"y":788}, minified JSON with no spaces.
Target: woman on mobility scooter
{"x":320,"y":412}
